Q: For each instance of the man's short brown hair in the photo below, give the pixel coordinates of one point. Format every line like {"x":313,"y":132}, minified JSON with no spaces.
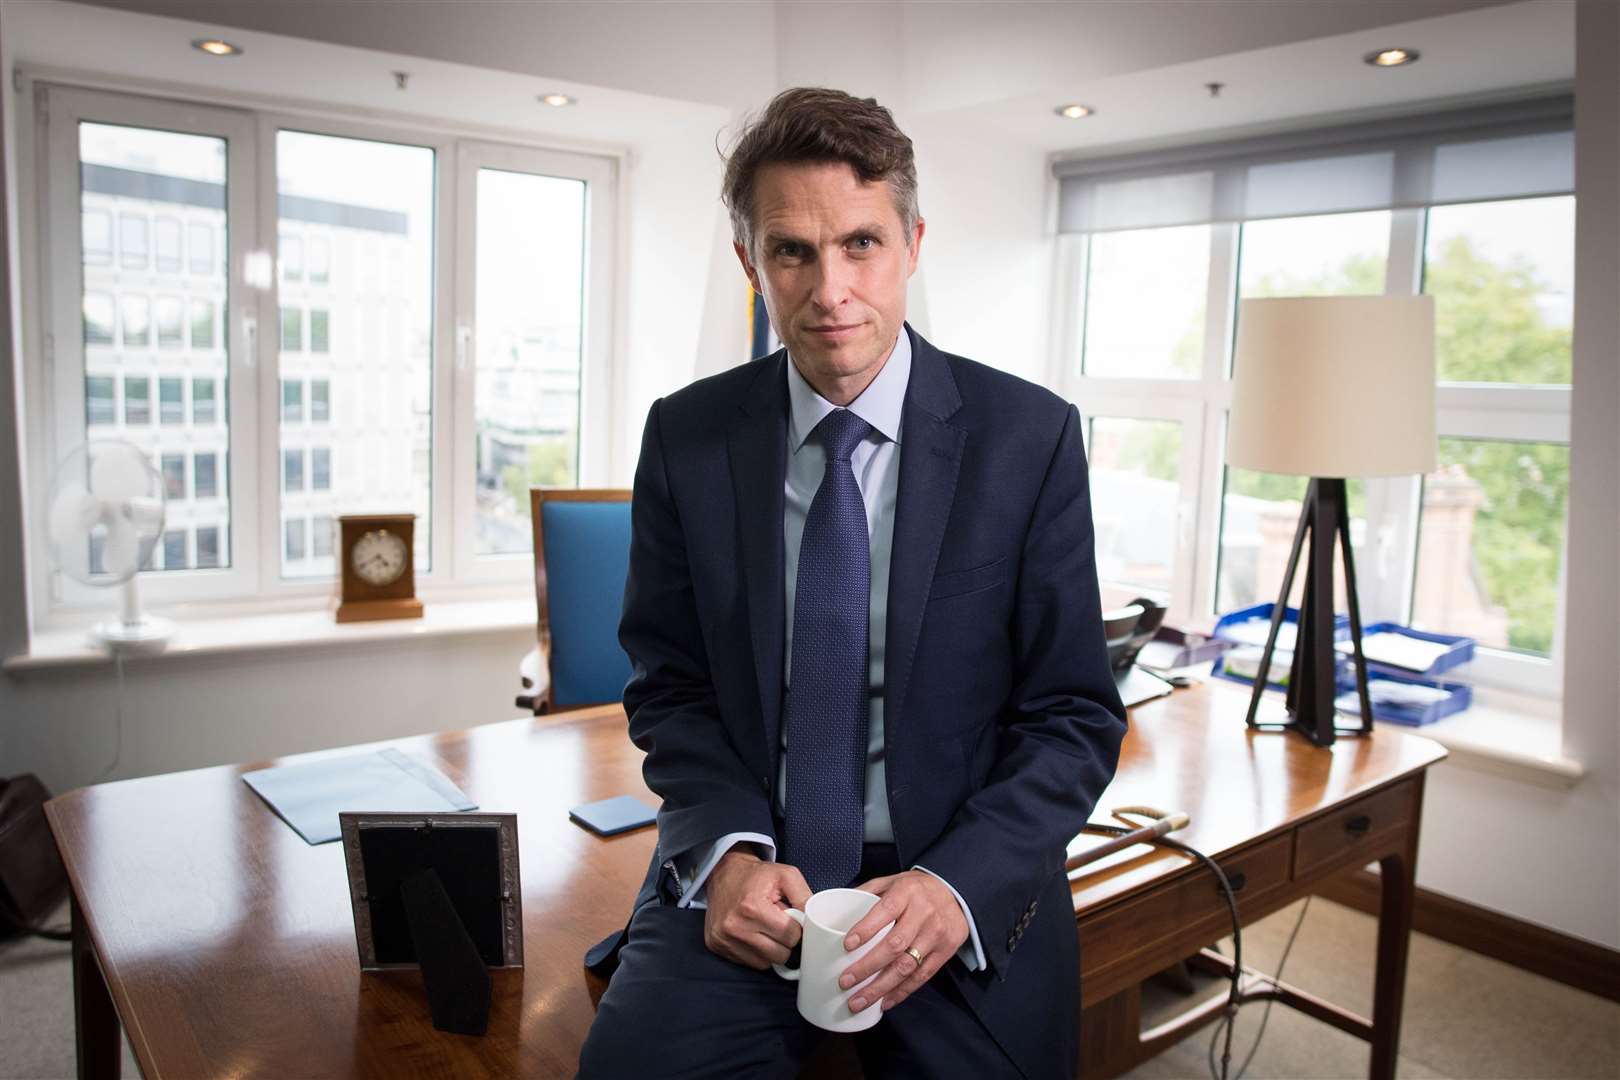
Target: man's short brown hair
{"x":814,"y":124}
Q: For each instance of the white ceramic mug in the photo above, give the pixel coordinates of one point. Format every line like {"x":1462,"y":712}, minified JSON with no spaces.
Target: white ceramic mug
{"x":827,"y":918}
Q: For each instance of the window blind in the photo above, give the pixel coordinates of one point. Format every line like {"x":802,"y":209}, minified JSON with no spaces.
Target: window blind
{"x":1512,"y":150}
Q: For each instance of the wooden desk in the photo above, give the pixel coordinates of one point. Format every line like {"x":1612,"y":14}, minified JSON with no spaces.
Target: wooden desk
{"x":225,"y":944}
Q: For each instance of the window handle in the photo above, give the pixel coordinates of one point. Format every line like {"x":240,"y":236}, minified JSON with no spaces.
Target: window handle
{"x":250,"y":330}
{"x":464,"y":335}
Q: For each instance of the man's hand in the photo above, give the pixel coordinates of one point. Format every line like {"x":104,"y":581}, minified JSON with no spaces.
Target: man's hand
{"x":926,"y":917}
{"x":747,"y":896}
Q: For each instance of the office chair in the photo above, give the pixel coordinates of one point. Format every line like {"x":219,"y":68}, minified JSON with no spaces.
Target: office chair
{"x":581,"y":557}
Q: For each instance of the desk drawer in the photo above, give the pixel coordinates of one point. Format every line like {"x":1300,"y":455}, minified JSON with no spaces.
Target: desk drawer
{"x":1173,"y":920}
{"x":1355,"y":833}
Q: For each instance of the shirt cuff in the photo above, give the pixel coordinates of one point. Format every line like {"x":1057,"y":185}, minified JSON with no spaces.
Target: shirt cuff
{"x":971,"y":953}
{"x":692,"y":875}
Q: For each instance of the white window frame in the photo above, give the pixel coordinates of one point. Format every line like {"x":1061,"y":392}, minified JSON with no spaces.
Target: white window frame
{"x":600,"y":176}
{"x":1387,"y":557}
{"x":57,"y":371}
{"x":54,"y":367}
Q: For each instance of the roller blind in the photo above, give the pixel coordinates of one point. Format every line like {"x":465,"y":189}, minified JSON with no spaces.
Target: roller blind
{"x":1513,"y":150}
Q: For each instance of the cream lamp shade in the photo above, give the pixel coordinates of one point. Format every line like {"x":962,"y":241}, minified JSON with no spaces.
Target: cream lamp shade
{"x":1334,"y":386}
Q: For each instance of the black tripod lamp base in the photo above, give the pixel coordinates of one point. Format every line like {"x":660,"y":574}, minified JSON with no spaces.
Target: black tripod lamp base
{"x":1312,"y":678}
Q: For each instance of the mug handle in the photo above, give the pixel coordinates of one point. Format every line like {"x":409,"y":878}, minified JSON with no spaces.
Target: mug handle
{"x":790,"y":974}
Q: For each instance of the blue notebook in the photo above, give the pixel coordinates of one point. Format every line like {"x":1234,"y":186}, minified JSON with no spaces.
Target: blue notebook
{"x":606,"y":817}
{"x":309,"y":796}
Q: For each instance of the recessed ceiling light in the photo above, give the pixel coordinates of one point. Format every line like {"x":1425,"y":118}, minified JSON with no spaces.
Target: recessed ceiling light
{"x":216,"y":47}
{"x":558,"y":100}
{"x":1391,"y":57}
{"x":1074,"y":112}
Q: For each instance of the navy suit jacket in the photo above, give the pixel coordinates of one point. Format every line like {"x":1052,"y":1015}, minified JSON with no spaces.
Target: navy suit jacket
{"x":1002,"y":723}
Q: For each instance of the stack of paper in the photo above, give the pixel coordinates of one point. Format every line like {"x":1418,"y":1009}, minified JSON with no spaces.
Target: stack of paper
{"x":1398,"y":650}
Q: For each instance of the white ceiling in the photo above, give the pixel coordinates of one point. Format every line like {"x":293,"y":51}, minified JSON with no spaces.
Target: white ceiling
{"x":995,"y":68}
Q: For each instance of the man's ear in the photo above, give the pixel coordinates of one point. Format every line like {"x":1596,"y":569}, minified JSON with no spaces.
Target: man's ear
{"x":748,"y":267}
{"x":916,"y":246}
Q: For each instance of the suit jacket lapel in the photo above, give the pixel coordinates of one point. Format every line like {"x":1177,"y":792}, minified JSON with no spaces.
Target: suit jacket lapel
{"x":930,"y":458}
{"x":757,"y":441}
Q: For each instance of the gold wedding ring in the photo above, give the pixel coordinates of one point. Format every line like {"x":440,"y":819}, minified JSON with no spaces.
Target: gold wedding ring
{"x":915,"y":955}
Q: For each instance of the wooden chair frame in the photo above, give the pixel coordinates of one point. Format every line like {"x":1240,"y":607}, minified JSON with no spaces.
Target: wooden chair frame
{"x":538,"y":497}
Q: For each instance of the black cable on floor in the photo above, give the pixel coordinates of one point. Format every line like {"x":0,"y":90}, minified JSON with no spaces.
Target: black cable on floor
{"x":1232,"y":996}
{"x":1275,"y":979}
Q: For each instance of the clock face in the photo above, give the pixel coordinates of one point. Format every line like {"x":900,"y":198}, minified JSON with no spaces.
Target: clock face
{"x":378,"y":557}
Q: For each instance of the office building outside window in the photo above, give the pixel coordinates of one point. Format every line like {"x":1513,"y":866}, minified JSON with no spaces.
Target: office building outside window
{"x":165,"y":192}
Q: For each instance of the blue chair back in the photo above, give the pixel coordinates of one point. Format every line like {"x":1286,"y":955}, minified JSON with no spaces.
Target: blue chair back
{"x":582,"y":555}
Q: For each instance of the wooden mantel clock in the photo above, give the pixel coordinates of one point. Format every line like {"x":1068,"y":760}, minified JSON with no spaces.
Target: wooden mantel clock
{"x":378,"y":570}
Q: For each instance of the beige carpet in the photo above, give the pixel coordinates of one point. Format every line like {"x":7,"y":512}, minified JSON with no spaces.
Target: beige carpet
{"x":1467,"y":1017}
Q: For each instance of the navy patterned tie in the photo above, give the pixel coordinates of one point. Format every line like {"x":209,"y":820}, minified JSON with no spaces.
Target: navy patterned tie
{"x":826,"y":701}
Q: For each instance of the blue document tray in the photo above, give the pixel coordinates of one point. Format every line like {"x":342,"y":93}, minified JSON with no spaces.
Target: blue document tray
{"x":1459,"y":650}
{"x":1249,"y":626}
{"x":1457,"y":697}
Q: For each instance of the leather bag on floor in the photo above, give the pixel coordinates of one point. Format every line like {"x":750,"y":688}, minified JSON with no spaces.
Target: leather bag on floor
{"x":32,"y":879}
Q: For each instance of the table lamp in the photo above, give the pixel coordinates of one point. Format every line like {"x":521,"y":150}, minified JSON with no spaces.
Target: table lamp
{"x":1329,"y":387}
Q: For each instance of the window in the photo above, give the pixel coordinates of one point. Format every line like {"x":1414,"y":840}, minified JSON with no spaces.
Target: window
{"x":1503,"y":279}
{"x":99,"y":407}
{"x":166,"y":244}
{"x":295,"y":532}
{"x":292,"y":257}
{"x":292,"y":470}
{"x":158,"y":206}
{"x":202,"y":402}
{"x":292,"y":401}
{"x":398,"y":217}
{"x":98,"y":318}
{"x":208,"y":547}
{"x":320,"y":264}
{"x":205,"y":476}
{"x":1145,"y":293}
{"x":173,"y":467}
{"x":202,"y":324}
{"x":136,"y":312}
{"x":174,"y":549}
{"x":96,"y":238}
{"x":200,"y":242}
{"x":531,"y":228}
{"x":171,"y":400}
{"x":292,"y":330}
{"x":137,"y":401}
{"x":1474,"y":548}
{"x":1135,"y":499}
{"x":318,"y":342}
{"x":320,"y":469}
{"x":321,"y":534}
{"x":170,"y":323}
{"x":132,"y":241}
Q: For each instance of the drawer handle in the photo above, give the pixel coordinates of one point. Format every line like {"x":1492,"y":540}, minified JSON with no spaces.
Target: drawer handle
{"x":1237,"y":879}
{"x":1359,"y":825}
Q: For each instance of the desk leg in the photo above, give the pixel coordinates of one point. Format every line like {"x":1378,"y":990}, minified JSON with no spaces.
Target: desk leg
{"x":1397,"y":878}
{"x":94,"y":1018}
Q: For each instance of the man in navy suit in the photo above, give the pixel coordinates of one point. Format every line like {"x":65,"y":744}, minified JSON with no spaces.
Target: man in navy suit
{"x":867,"y":650}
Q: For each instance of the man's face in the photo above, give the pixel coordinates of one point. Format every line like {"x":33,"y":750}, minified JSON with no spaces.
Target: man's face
{"x":833,"y":260}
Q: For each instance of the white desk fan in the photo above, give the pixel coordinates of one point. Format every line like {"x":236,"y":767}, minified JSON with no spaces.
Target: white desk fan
{"x":108,"y":490}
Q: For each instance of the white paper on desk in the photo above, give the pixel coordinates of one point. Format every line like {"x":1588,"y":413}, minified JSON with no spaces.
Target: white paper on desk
{"x":1398,"y":650}
{"x":309,"y":796}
